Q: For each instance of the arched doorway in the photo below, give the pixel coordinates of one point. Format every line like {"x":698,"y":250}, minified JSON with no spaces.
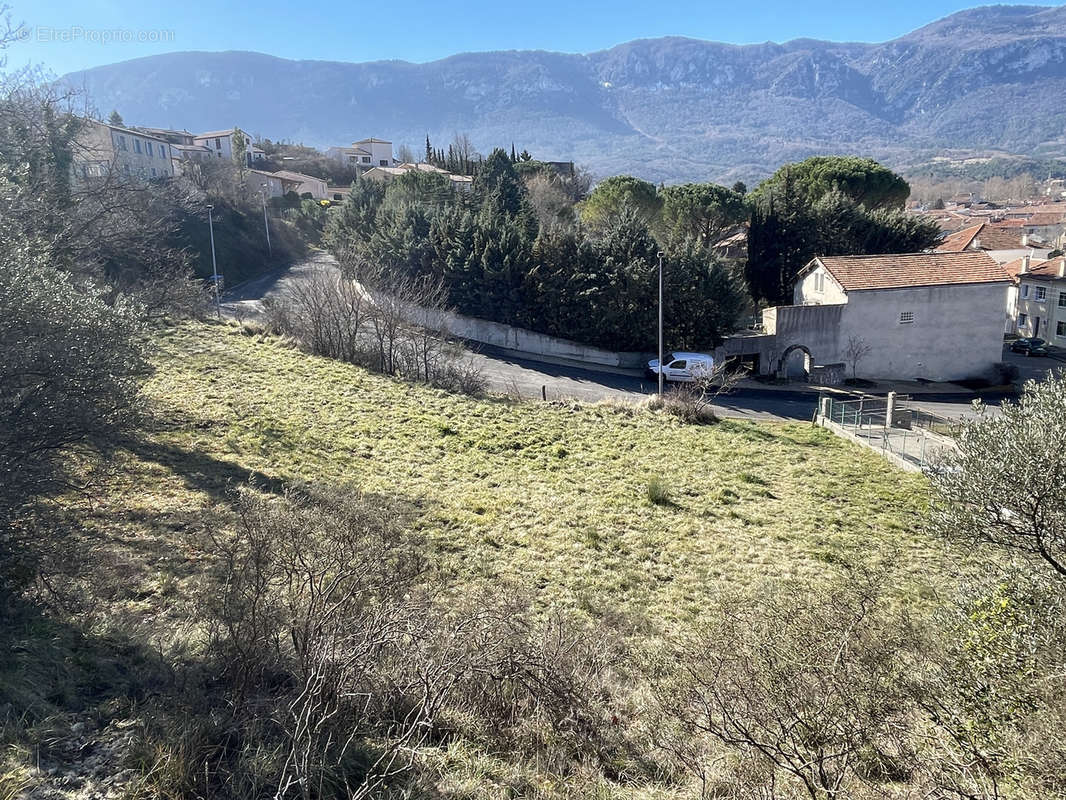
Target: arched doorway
{"x":795,"y":363}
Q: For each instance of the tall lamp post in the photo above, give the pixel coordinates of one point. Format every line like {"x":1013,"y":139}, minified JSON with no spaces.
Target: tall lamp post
{"x":266,"y":226}
{"x":660,"y":324}
{"x":214,"y":265}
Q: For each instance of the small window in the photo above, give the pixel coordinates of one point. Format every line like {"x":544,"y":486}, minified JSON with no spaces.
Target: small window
{"x":1022,"y":320}
{"x":906,"y":317}
{"x":137,"y":145}
{"x":1062,"y":299}
{"x":122,"y":143}
{"x":383,"y":162}
{"x":1040,"y":293}
{"x":218,"y":143}
{"x":1060,"y":328}
{"x":148,"y":147}
{"x":1025,"y":290}
{"x":366,"y":159}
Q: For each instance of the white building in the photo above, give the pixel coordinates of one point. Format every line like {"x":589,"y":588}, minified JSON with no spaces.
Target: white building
{"x":935,"y":316}
{"x":1041,"y":304}
{"x":364,"y":154}
{"x":102,"y":150}
{"x":221,"y":144}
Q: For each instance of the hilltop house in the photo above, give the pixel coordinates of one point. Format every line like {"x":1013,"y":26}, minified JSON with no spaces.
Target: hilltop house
{"x":102,"y":150}
{"x":364,"y":154}
{"x":221,"y":144}
{"x":935,"y":316}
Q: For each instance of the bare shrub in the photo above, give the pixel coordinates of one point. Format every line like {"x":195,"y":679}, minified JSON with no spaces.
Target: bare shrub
{"x":693,"y":402}
{"x":809,"y":684}
{"x":398,"y":328}
{"x":338,"y":662}
{"x":856,"y":350}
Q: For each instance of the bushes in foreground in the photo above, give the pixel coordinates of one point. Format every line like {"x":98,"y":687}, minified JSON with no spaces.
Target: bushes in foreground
{"x":334,"y":658}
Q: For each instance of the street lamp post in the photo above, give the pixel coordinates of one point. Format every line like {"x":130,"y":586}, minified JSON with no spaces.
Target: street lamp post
{"x":214,"y":265}
{"x":660,"y":324}
{"x":266,"y":226}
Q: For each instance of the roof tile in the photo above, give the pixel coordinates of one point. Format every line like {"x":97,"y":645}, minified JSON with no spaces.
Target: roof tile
{"x":904,"y":270}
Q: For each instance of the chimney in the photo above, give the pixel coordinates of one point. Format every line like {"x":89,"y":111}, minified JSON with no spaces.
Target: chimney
{"x":1062,"y":267}
{"x":1025,"y":265}
{"x":976,"y":243}
{"x":1025,"y":240}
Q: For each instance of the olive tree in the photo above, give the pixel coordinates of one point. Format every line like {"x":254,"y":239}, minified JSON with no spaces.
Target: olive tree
{"x":1006,"y":485}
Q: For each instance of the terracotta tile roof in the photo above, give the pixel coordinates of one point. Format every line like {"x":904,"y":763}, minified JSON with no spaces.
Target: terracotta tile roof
{"x":958,"y":241}
{"x":1041,"y":270}
{"x":985,"y":236}
{"x":911,"y":269}
{"x":1046,"y":218}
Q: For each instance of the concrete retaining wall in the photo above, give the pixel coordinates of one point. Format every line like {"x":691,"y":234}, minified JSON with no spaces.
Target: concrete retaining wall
{"x":508,"y":337}
{"x":511,"y":338}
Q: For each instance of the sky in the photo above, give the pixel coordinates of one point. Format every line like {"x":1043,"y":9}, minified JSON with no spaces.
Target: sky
{"x":67,"y":35}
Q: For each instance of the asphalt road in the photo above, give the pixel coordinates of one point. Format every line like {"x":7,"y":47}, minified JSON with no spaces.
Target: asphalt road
{"x":512,"y":373}
{"x":509,"y":373}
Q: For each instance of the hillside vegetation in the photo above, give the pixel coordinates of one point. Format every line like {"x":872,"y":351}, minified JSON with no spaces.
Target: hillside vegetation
{"x":547,"y":563}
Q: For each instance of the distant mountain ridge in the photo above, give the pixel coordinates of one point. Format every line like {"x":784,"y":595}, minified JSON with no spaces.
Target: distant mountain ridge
{"x":668,"y":109}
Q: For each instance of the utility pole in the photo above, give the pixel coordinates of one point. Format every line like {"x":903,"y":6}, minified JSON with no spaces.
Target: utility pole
{"x":266,"y":226}
{"x":214,"y":266}
{"x":661,"y":365}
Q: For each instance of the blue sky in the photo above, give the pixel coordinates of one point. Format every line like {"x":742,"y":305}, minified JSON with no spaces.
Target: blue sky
{"x":66,"y":35}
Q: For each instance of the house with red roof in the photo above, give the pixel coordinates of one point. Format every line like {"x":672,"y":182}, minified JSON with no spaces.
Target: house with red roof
{"x":936,"y":316}
{"x":1003,"y":243}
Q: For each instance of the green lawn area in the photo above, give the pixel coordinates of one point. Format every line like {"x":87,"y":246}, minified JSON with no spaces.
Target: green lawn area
{"x":545,"y":498}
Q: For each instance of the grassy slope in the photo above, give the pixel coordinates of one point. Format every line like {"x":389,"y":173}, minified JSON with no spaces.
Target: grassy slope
{"x":551,"y":497}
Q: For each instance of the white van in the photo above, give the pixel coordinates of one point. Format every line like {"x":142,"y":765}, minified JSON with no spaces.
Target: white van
{"x":682,"y":367}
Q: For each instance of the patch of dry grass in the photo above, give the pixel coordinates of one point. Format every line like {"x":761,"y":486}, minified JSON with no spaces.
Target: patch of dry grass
{"x":548,"y":496}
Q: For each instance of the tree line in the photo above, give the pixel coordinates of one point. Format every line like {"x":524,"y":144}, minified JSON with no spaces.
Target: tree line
{"x":531,"y":247}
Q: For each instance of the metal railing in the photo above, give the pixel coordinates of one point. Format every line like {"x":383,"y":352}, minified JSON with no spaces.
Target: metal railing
{"x":911,"y":436}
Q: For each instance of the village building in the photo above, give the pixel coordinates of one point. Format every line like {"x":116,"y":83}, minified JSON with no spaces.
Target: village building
{"x":102,"y":150}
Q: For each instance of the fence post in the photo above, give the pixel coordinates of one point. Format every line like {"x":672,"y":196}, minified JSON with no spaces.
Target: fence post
{"x":890,"y":409}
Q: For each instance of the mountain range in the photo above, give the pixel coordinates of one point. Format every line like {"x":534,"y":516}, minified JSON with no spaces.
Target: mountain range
{"x":986,"y":80}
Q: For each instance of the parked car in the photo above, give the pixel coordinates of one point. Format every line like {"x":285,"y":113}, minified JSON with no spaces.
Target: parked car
{"x":1030,"y":347}
{"x":682,"y":367}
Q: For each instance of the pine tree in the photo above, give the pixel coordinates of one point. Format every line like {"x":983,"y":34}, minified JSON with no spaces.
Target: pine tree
{"x":116,"y":119}
{"x":429,"y":151}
